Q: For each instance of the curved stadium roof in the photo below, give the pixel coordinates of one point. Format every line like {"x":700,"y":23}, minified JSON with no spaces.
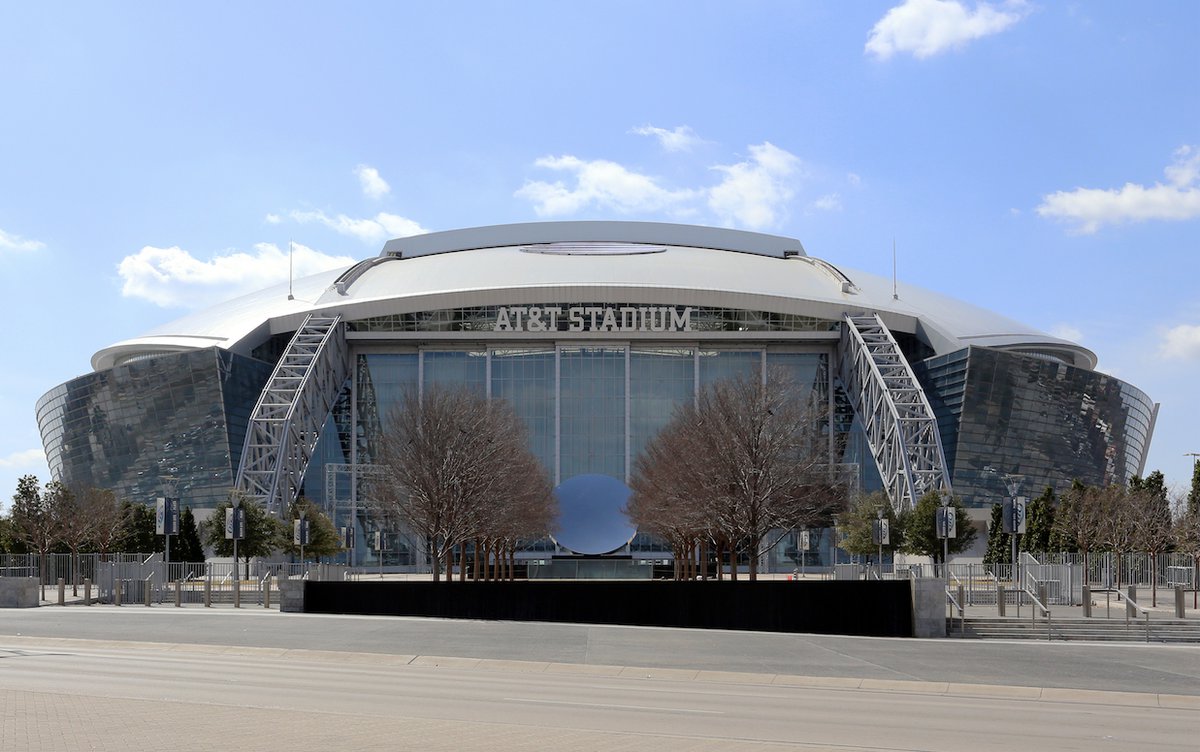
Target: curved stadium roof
{"x":625,"y":262}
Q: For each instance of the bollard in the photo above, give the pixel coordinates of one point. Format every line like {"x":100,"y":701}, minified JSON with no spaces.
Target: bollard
{"x":1087,"y":601}
{"x":117,"y":592}
{"x":207,"y":593}
{"x":178,"y":593}
{"x":267,"y":593}
{"x":87,"y":592}
{"x":1000,"y":600}
{"x":146,"y":585}
{"x":62,"y":592}
{"x":1131,"y":595}
{"x":1179,"y":602}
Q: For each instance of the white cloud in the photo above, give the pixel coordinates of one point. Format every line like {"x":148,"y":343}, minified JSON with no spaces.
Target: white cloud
{"x":683,"y":138}
{"x":27,"y":459}
{"x":9,"y":242}
{"x":273,"y":219}
{"x":599,"y":182}
{"x":172,"y":277}
{"x":853,"y":179}
{"x":383,"y":226}
{"x":1090,"y":208}
{"x":829,"y":202}
{"x":373,"y":186}
{"x":925,"y":28}
{"x":754,"y":192}
{"x":1068,"y":332}
{"x":1181,"y":343}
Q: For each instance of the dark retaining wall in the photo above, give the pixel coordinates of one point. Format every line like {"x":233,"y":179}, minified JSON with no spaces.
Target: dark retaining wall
{"x":854,"y":607}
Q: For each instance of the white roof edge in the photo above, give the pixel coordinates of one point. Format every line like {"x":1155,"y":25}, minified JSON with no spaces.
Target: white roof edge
{"x":650,"y":233}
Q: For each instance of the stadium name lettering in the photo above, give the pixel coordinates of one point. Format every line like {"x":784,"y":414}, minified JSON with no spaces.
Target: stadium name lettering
{"x":593,"y":319}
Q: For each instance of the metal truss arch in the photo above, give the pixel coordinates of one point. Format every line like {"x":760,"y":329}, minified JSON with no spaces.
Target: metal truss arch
{"x":291,"y":411}
{"x":899,"y":423}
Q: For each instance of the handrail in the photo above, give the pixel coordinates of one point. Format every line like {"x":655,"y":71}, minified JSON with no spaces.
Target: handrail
{"x":1131,"y":602}
{"x":962,"y":619}
{"x":1045,"y":612}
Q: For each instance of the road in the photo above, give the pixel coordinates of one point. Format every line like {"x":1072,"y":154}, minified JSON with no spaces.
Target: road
{"x":99,"y":678}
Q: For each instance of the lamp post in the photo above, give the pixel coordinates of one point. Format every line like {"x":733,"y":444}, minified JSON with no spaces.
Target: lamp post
{"x":836,"y":541}
{"x":235,"y":528}
{"x":1014,"y":525}
{"x":881,"y":535}
{"x":804,"y":541}
{"x":946,"y":529}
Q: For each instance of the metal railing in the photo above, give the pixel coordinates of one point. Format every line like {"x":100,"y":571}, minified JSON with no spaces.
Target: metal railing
{"x":1132,"y":605}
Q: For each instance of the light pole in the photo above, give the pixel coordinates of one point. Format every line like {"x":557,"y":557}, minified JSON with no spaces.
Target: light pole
{"x":1014,"y":525}
{"x":881,"y":536}
{"x":836,"y":541}
{"x":946,"y":529}
{"x":804,"y":540}
{"x":235,"y":529}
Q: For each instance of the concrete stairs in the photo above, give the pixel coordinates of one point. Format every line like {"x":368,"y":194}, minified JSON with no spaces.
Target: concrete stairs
{"x":1162,"y":630}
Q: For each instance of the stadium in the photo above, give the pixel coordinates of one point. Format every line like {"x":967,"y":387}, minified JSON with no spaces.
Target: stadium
{"x":593,"y":332}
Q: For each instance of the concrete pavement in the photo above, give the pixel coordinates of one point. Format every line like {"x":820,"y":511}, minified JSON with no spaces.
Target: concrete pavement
{"x":126,"y":678}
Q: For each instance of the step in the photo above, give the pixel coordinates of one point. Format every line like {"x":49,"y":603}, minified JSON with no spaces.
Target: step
{"x":1101,"y":630}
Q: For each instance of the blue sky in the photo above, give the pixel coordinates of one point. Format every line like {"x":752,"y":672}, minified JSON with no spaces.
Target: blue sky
{"x":1039,"y":159}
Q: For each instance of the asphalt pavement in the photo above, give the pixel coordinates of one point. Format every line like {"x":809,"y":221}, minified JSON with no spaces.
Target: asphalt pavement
{"x":1124,"y":667}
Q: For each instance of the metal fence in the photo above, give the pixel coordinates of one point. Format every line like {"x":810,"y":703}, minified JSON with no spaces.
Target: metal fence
{"x":1061,"y":577}
{"x":129,"y":579}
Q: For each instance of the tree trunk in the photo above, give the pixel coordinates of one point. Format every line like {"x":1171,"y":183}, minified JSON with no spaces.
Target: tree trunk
{"x":733,"y":573}
{"x":704,"y":560}
{"x":476,"y":574}
{"x":1153,"y":580}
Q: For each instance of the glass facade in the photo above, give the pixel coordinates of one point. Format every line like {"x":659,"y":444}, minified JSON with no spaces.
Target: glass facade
{"x":1004,"y":413}
{"x":591,"y":428}
{"x":659,"y":381}
{"x":179,"y":417}
{"x":588,"y":408}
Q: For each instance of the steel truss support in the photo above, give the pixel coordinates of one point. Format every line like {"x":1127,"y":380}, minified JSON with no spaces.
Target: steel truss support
{"x":291,"y":411}
{"x":900,"y":427}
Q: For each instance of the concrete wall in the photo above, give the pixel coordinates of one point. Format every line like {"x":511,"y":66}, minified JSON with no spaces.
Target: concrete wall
{"x":929,"y":607}
{"x":20,"y":592}
{"x":291,"y":596}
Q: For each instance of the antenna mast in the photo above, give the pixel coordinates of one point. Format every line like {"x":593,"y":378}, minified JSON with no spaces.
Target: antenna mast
{"x":895,"y":294}
{"x":290,"y":296}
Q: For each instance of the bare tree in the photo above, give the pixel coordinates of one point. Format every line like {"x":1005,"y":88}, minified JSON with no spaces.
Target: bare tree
{"x":1187,"y":541}
{"x":1150,"y":517}
{"x":1119,"y":523}
{"x":448,"y":462}
{"x":76,"y":524}
{"x":527,"y":511}
{"x":1080,"y":519}
{"x":110,"y":515}
{"x":660,"y":504}
{"x":751,"y":456}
